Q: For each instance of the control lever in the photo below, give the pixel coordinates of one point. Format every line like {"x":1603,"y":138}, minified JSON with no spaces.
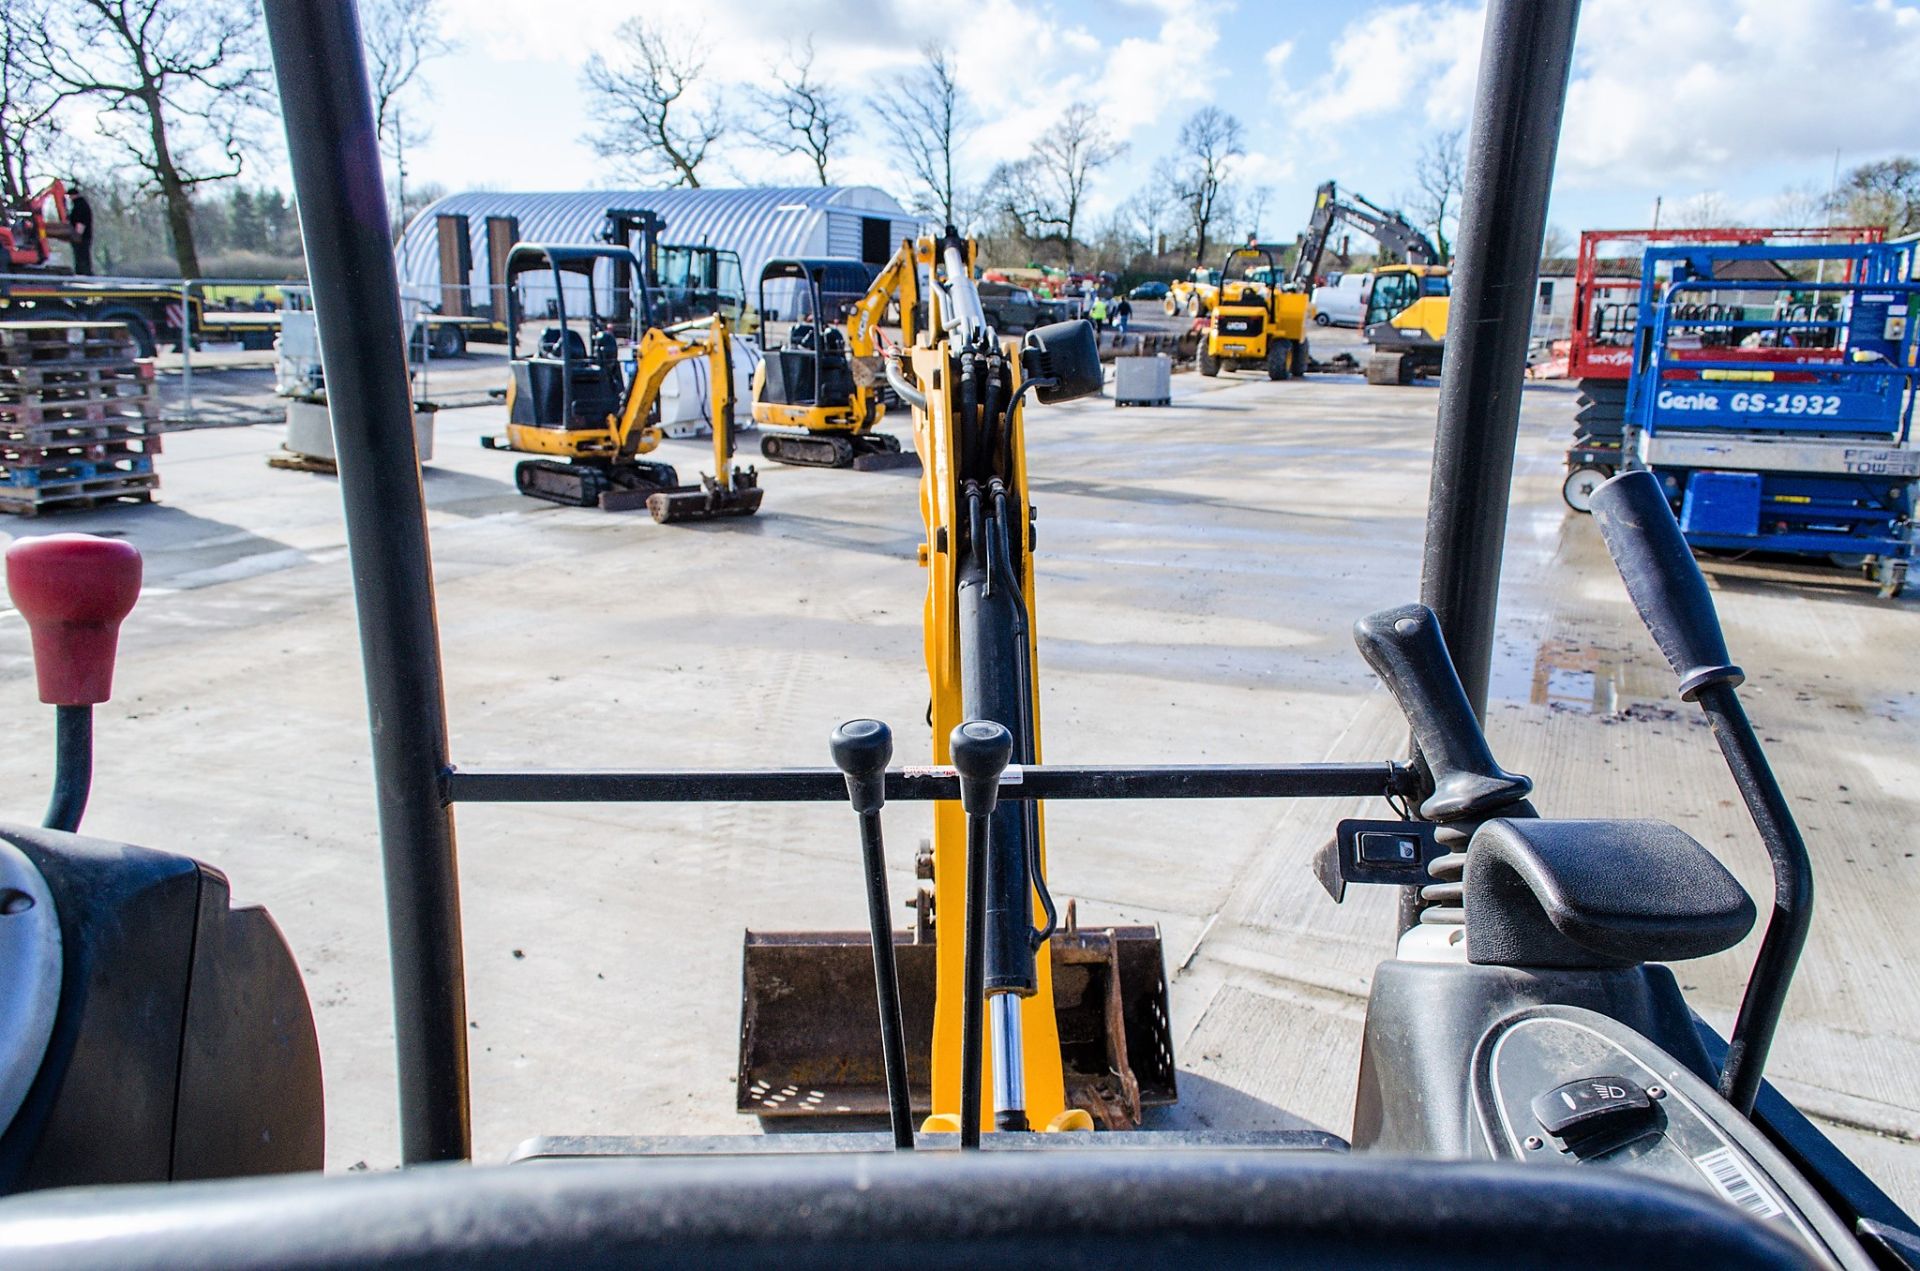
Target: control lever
{"x":1406,"y":649}
{"x":1667,"y":588}
{"x":73,"y":590}
{"x":980,"y":750}
{"x":861,"y":749}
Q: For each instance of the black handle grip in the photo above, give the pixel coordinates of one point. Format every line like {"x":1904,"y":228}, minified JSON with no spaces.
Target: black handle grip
{"x":1406,"y":650}
{"x":981,"y":750}
{"x":1658,"y":567}
{"x":862,"y":749}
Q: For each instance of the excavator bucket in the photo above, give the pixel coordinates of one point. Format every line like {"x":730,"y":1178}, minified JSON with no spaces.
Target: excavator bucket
{"x":810,"y":1028}
{"x":704,"y":502}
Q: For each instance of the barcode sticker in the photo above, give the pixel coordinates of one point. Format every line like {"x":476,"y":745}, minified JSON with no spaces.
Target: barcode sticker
{"x":1731,"y":1178}
{"x":1013,"y":776}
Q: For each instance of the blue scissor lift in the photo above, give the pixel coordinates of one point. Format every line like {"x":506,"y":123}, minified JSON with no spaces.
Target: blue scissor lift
{"x":1782,"y":426}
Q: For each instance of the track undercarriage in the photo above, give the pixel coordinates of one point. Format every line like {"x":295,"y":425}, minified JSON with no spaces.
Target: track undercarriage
{"x":612,"y":487}
{"x":863,"y":452}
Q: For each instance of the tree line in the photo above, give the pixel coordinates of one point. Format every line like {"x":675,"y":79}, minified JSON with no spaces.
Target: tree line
{"x":154,"y":107}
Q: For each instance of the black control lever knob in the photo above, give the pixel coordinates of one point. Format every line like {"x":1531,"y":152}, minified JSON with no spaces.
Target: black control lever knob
{"x":1666,"y":586}
{"x":862,"y":748}
{"x":981,"y":750}
{"x":1405,"y":648}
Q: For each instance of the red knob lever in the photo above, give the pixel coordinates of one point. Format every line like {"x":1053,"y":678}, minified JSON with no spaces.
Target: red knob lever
{"x":73,"y":590}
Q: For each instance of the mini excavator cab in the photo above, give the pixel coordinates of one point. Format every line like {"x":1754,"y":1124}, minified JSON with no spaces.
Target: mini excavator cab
{"x":1532,"y":1091}
{"x":573,"y":404}
{"x":571,"y":379}
{"x":818,"y":392}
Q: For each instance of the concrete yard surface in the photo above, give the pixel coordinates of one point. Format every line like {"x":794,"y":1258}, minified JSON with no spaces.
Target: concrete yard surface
{"x":1199,"y":569}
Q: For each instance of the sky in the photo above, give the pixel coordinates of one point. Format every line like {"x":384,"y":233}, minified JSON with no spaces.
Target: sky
{"x":1733,"y":100}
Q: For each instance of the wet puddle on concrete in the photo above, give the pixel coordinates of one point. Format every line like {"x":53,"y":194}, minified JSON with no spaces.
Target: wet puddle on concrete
{"x":1584,"y":676}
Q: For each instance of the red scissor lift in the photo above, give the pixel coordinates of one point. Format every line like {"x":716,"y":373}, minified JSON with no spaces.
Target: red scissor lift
{"x":1606,"y":301}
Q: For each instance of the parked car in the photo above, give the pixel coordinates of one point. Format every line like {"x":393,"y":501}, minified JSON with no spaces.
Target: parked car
{"x":1149,"y":291}
{"x":1063,"y":309}
{"x":1340,"y":304}
{"x":1010,"y":310}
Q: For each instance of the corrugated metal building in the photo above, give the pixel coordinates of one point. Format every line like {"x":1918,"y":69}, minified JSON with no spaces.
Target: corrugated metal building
{"x":853,"y":221}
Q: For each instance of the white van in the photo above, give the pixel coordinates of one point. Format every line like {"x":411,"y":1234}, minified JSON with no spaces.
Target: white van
{"x":1341,"y":303}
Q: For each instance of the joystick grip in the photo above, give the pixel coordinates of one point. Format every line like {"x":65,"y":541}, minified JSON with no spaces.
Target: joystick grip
{"x":980,"y":750}
{"x":1405,"y":648}
{"x":1666,"y":586}
{"x":73,"y":590}
{"x":861,"y":750}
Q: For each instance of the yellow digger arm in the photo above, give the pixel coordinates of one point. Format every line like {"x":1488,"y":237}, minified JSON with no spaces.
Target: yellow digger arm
{"x":947,"y":482}
{"x":657,"y":353}
{"x":898,"y":279}
{"x":720,"y":382}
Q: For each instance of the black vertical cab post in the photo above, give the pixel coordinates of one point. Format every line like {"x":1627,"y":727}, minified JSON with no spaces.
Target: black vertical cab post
{"x":1525,"y":60}
{"x":1524,"y":64}
{"x":322,"y":78}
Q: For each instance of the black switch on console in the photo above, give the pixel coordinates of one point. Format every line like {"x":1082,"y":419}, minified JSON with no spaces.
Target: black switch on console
{"x":1579,"y":1110}
{"x":1389,"y":847}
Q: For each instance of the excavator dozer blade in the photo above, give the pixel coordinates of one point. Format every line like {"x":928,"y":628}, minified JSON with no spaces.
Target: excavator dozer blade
{"x":810,"y":1029}
{"x":887,"y":461}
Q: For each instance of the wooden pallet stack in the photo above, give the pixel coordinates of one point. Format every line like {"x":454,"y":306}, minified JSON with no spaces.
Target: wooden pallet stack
{"x":76,"y":427}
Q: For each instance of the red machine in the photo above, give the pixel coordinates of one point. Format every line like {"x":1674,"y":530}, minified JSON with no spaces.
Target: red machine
{"x":27,"y":227}
{"x":1606,"y":307}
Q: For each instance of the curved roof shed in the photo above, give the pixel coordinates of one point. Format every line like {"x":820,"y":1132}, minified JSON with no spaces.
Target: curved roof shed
{"x":853,"y":221}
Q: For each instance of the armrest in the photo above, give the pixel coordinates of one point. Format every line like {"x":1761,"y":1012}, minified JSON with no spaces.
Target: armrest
{"x":1597,"y":894}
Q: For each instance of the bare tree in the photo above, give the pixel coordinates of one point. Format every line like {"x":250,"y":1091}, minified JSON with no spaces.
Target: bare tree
{"x":1883,"y":193}
{"x":1064,"y":160}
{"x":400,"y":37}
{"x":1705,"y":210}
{"x":1555,"y":243}
{"x":648,"y":127}
{"x":803,"y":116}
{"x":929,"y":112}
{"x":1146,"y":212}
{"x":1799,"y":206}
{"x":29,"y":126}
{"x":1440,"y":175}
{"x":1198,"y":176}
{"x":178,"y":83}
{"x":1256,"y":208}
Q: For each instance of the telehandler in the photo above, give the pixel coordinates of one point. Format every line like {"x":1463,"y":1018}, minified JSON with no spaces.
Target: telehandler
{"x":1533,"y":1090}
{"x":573,"y":403}
{"x":818,"y":392}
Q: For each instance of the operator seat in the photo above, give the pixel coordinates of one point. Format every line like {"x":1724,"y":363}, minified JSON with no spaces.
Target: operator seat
{"x":790,"y":375}
{"x":541,"y":382}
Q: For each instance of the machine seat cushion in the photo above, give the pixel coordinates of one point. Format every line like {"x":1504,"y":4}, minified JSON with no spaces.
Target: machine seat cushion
{"x":554,"y":339}
{"x":1597,"y":894}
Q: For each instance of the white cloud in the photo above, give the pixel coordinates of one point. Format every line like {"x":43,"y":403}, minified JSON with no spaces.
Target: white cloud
{"x":1416,"y":59}
{"x":1698,"y":91}
{"x":1703,"y":91}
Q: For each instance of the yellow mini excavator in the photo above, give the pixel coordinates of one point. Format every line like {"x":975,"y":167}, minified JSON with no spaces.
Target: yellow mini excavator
{"x":1407,"y":304}
{"x":576,"y":406}
{"x":1078,"y":1031}
{"x":820,"y":383}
